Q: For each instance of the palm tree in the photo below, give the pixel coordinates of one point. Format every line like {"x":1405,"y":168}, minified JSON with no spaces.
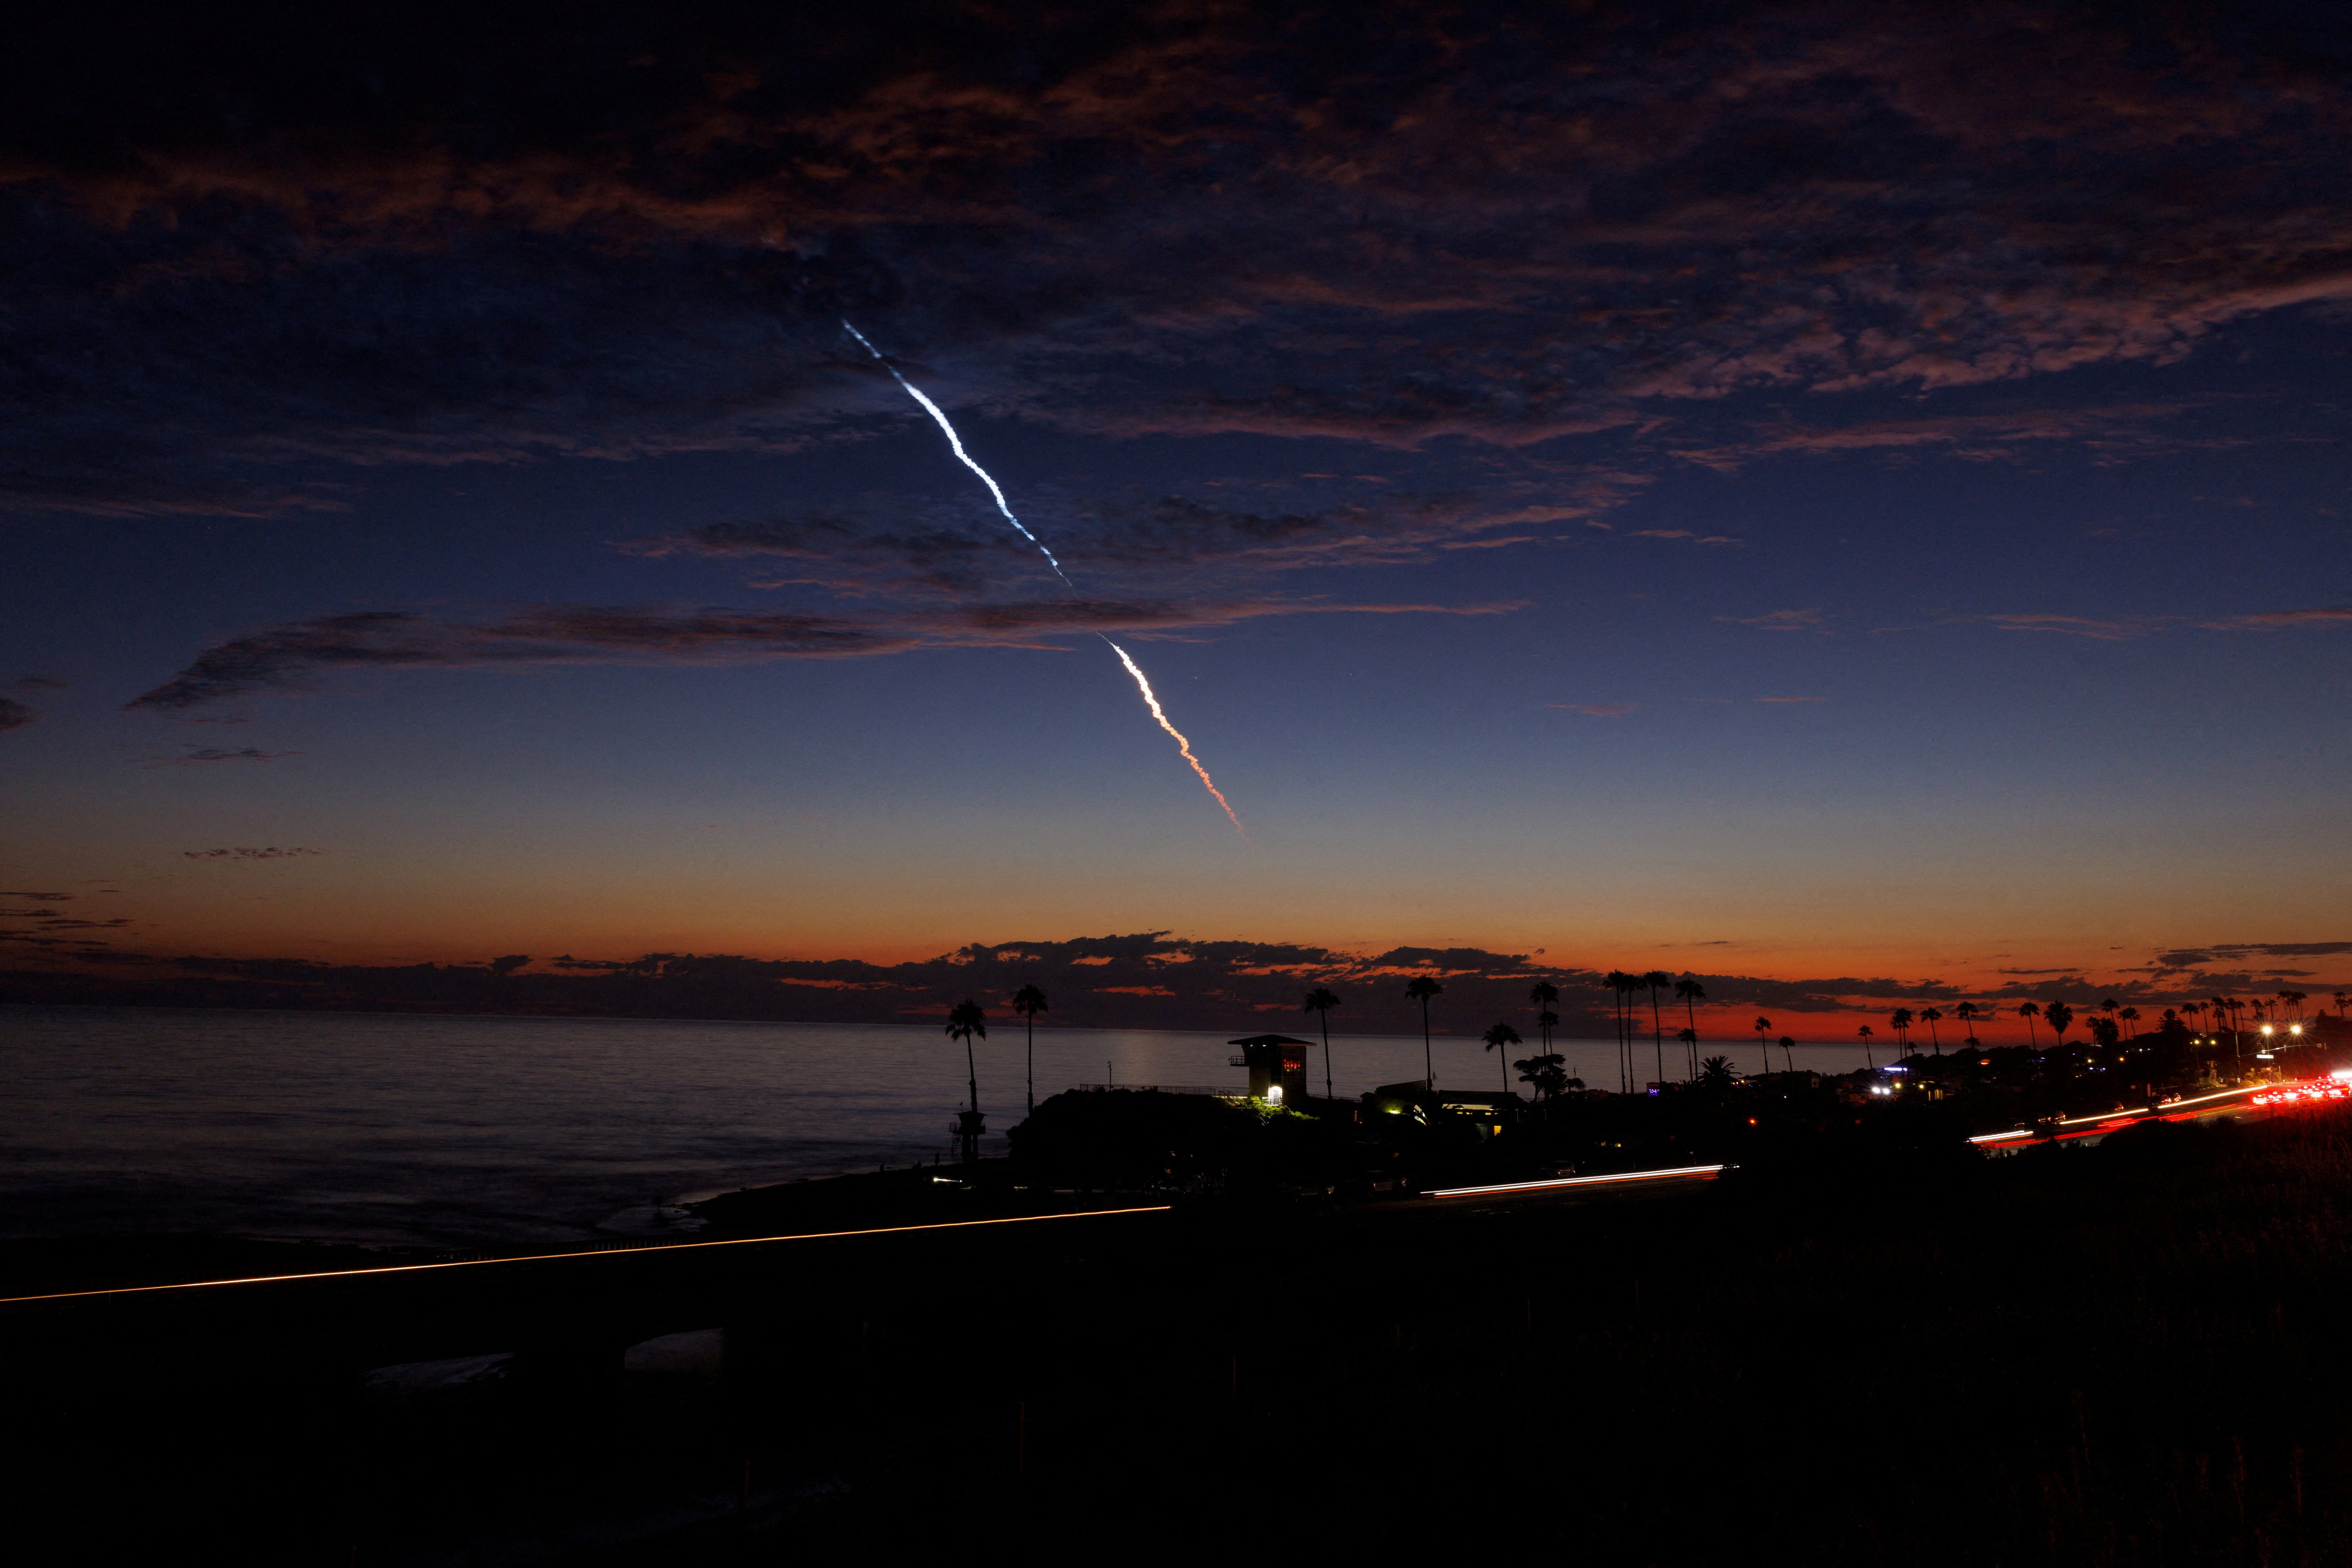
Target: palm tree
{"x":2029,"y":1012}
{"x":1868,"y":1060}
{"x":1498,"y":1038}
{"x":1620,"y":983}
{"x":1788,"y":1052}
{"x":2057,"y":1015}
{"x":1029,"y":1002}
{"x":1714,"y":1073}
{"x":2340,"y":1000}
{"x":1321,"y":1001}
{"x":1966,"y":1014}
{"x":964,"y":1020}
{"x":1901,"y":1020}
{"x":2130,"y":1015}
{"x":1691,"y":994}
{"x":1762,"y":1026}
{"x":1689,"y":1038}
{"x":1542,"y":998}
{"x":1929,"y":1016}
{"x":1421,"y":988}
{"x":1653,"y":980}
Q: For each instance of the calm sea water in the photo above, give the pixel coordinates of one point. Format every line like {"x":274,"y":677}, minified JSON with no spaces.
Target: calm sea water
{"x":480,"y":1131}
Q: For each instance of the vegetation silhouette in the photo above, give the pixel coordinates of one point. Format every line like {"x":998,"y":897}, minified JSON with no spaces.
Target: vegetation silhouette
{"x":1029,"y":1002}
{"x":965,"y":1020}
{"x":1498,"y":1038}
{"x":1656,"y":980}
{"x":1691,"y":994}
{"x":1421,"y":988}
{"x":1764,"y":1028}
{"x":1543,"y":997}
{"x":1320,"y":1002}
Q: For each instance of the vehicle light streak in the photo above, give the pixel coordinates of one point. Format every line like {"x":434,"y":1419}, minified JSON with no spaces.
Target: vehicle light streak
{"x":1183,"y":744}
{"x":962,"y":457}
{"x":552,"y":1256}
{"x":2310,"y":1091}
{"x":1558,"y":1182}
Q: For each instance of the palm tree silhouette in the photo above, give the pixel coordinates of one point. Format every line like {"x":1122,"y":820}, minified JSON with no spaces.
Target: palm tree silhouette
{"x":2058,"y":1015}
{"x":2029,"y":1012}
{"x":1542,"y":997}
{"x":1618,"y":981}
{"x":964,"y":1020}
{"x":1900,"y":1019}
{"x":1689,"y":1039}
{"x":2340,"y":1000}
{"x":1029,"y":1002}
{"x":1498,"y":1038}
{"x":1868,"y":1060}
{"x":1966,"y":1014}
{"x":1321,"y":1001}
{"x":1788,"y":1051}
{"x":1929,"y":1016}
{"x":1691,"y":994}
{"x":1421,"y":988}
{"x":1762,"y":1026}
{"x":2130,"y":1015}
{"x":1654,"y":980}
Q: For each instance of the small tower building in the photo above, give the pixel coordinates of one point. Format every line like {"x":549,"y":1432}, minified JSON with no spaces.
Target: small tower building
{"x":1277,"y":1068}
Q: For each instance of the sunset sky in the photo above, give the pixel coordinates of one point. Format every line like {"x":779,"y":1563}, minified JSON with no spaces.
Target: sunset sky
{"x":1791,"y":491}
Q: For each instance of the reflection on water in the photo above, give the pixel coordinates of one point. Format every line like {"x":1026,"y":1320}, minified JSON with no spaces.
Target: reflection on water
{"x":396,"y":1128}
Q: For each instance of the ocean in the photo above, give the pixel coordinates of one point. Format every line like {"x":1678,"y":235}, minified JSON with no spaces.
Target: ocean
{"x":400,"y":1129}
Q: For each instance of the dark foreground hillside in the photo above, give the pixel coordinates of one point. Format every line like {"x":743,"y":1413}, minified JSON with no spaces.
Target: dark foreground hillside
{"x":2133,"y":1353}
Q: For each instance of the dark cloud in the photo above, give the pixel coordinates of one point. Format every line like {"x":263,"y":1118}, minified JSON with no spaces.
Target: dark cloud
{"x":371,"y":237}
{"x":289,"y":656}
{"x":2182,"y":958}
{"x":2275,"y":620}
{"x":272,"y":853}
{"x":15,"y":715}
{"x":292,"y":657}
{"x":40,"y":683}
{"x":215,"y":754}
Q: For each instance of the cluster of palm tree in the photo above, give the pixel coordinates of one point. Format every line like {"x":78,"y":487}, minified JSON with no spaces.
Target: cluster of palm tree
{"x":1626,"y":987}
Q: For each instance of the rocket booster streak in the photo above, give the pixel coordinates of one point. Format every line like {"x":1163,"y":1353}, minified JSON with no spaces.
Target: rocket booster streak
{"x":956,"y":445}
{"x":1183,"y":744}
{"x":962,"y":456}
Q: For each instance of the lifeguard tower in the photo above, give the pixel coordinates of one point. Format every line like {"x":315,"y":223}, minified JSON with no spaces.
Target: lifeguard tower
{"x":1277,"y":1068}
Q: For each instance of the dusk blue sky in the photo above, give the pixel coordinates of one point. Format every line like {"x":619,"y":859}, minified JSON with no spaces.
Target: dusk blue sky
{"x":1785,"y":491}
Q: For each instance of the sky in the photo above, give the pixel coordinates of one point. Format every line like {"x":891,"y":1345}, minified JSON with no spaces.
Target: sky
{"x":1847,"y":500}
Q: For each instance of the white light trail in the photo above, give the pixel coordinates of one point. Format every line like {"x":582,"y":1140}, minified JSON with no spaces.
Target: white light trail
{"x":1558,"y":1182}
{"x":962,"y":456}
{"x":1183,"y":744}
{"x":554,"y":1257}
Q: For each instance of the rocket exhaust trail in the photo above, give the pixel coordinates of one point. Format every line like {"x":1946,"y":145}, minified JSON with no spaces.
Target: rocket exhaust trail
{"x":1183,"y":744}
{"x":956,"y":445}
{"x":963,"y":456}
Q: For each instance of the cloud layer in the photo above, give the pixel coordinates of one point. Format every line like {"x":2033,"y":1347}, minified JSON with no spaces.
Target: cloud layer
{"x":371,"y":238}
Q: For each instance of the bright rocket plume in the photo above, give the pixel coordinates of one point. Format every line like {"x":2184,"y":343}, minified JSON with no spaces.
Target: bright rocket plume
{"x":962,"y":456}
{"x":1183,"y":744}
{"x":1142,"y":684}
